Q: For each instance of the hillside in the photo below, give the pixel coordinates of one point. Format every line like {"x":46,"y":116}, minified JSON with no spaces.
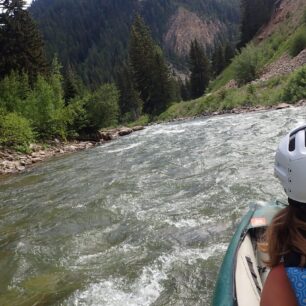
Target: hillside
{"x":92,"y":35}
{"x":268,"y":71}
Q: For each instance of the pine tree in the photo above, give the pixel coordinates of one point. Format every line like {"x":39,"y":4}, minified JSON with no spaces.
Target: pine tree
{"x":56,"y":80}
{"x":200,"y":70}
{"x":141,"y":56}
{"x":229,"y":53}
{"x":162,"y":91}
{"x":14,"y":90}
{"x":73,"y":85}
{"x":150,"y":72}
{"x":130,"y":103}
{"x":218,"y":60}
{"x":21,"y":45}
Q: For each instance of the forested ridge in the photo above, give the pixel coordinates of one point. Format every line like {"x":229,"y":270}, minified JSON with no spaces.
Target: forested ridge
{"x":92,"y":36}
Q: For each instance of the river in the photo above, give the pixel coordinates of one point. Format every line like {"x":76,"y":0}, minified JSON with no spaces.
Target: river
{"x":143,"y":220}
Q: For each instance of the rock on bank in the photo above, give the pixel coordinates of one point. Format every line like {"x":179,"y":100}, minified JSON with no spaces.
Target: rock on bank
{"x":13,"y":162}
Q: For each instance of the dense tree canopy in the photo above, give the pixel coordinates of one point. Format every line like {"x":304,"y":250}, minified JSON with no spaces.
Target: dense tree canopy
{"x":92,"y":36}
{"x":150,"y":72}
{"x":21,"y":45}
{"x":130,"y":102}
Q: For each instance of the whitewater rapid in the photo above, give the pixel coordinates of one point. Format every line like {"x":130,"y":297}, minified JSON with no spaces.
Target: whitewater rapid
{"x":144,"y":220}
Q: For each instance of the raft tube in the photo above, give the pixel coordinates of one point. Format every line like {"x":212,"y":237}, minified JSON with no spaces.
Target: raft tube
{"x":243,"y":271}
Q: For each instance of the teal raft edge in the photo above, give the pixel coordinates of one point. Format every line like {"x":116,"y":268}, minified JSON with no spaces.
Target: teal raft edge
{"x":224,"y":293}
{"x":224,"y":289}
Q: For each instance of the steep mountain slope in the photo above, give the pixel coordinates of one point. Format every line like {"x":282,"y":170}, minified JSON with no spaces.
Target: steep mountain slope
{"x":270,"y":70}
{"x":185,"y":25}
{"x":92,"y":35}
{"x":289,"y":12}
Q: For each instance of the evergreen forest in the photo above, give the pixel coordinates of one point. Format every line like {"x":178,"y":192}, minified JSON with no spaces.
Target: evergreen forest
{"x":63,"y":76}
{"x":93,"y":36}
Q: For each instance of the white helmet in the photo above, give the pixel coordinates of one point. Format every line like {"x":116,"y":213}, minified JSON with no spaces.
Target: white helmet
{"x":290,"y":164}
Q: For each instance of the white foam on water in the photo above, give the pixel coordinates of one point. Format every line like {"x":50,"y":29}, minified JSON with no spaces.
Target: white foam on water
{"x":147,"y":288}
{"x":168,"y":131}
{"x":203,"y":121}
{"x":79,"y":205}
{"x":194,"y":123}
{"x":111,"y":292}
{"x":189,"y":222}
{"x":20,"y":246}
{"x":90,"y":258}
{"x":85,"y":259}
{"x":106,"y":145}
{"x":134,"y":145}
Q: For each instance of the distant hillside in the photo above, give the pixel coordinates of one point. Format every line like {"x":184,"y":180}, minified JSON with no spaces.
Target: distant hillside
{"x":269,"y":70}
{"x":92,"y":35}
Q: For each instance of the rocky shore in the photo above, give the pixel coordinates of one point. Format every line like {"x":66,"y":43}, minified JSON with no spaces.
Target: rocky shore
{"x":13,"y":162}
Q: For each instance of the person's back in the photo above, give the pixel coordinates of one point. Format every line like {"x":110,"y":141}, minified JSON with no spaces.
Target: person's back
{"x":277,"y":290}
{"x":286,"y":236}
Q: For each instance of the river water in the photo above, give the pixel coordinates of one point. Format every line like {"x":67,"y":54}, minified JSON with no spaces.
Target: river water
{"x":143,"y":220}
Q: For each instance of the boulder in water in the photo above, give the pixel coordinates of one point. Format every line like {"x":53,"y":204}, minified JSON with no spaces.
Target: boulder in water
{"x":282,"y":106}
{"x":125,"y":131}
{"x":107,"y":136}
{"x":137,"y":128}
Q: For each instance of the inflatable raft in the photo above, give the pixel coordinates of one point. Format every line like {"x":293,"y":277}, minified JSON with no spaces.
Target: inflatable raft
{"x":243,"y":271}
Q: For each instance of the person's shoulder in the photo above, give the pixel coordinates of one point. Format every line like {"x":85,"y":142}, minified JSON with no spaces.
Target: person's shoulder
{"x":278,"y":273}
{"x":277,"y":289}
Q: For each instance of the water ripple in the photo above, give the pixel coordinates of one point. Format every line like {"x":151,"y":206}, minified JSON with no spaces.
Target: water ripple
{"x":143,"y":220}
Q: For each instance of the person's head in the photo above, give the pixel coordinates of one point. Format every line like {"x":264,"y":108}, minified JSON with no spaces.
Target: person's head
{"x":290,"y":164}
{"x":287,"y":231}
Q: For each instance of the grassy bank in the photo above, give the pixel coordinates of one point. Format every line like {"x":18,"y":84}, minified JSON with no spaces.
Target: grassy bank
{"x":289,"y":89}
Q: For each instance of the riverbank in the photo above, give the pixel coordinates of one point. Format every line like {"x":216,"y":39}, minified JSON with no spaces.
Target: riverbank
{"x":240,"y":110}
{"x":12,"y":161}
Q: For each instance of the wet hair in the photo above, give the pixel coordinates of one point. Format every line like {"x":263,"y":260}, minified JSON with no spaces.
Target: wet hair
{"x":287,"y":233}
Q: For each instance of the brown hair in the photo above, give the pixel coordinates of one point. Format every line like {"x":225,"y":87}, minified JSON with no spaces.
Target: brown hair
{"x":287,"y":233}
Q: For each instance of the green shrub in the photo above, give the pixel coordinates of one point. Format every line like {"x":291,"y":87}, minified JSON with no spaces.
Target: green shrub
{"x":251,"y":90}
{"x":25,"y":149}
{"x":246,"y":65}
{"x":15,"y":131}
{"x":142,"y":120}
{"x":3,"y":112}
{"x":275,"y":41}
{"x":103,"y":107}
{"x":45,"y":109}
{"x":274,"y":82}
{"x":295,"y":89}
{"x":222,"y":93}
{"x":14,"y":89}
{"x":76,"y":116}
{"x":298,"y":44}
